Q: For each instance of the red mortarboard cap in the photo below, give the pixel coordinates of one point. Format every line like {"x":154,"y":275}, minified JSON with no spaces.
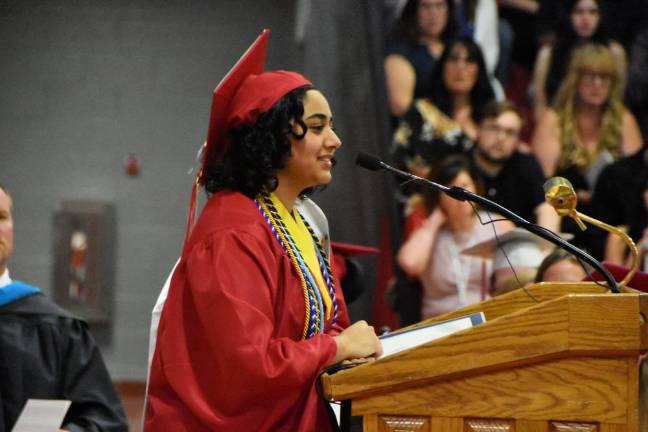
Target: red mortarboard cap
{"x":639,"y":281}
{"x":241,"y":97}
{"x":244,"y":94}
{"x":251,"y":62}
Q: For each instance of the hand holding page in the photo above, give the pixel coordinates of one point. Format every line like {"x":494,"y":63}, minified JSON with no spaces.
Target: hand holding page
{"x":40,"y":415}
{"x":400,"y":341}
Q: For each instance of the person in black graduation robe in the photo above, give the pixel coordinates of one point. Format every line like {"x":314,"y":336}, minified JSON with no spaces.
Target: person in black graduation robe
{"x":46,"y":353}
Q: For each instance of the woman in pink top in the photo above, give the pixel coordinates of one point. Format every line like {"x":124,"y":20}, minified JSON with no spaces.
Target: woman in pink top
{"x":432,"y":253}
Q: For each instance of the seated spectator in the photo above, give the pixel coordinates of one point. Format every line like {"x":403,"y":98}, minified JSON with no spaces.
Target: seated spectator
{"x":624,"y":19}
{"x":510,"y":178}
{"x":479,"y":20}
{"x":588,"y":117}
{"x":47,"y":353}
{"x":589,"y":126}
{"x":415,"y":45}
{"x":621,"y":199}
{"x":561,"y":266}
{"x":445,"y":121}
{"x":432,"y":252}
{"x":580,"y":22}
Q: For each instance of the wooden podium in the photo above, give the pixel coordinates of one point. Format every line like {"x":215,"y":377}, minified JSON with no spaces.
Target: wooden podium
{"x":556,"y":357}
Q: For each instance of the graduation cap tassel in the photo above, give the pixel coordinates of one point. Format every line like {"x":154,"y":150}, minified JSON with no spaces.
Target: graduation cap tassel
{"x":191,"y":214}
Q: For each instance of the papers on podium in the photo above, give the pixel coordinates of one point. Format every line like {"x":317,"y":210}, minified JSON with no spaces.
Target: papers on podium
{"x":393,"y":343}
{"x":40,"y":415}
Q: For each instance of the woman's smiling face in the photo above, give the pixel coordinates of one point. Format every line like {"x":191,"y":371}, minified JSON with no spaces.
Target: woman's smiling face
{"x":311,"y":156}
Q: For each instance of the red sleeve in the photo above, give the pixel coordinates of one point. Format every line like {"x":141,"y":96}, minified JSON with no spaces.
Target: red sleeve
{"x":239,"y":330}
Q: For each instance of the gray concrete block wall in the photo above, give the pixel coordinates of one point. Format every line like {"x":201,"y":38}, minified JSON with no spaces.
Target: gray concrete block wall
{"x":84,"y":83}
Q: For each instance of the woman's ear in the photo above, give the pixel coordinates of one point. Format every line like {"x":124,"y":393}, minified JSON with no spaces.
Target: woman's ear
{"x":298,"y":128}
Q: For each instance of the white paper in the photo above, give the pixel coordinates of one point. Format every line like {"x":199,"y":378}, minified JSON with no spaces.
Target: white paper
{"x":40,"y":415}
{"x":397,"y":342}
{"x":337,"y":410}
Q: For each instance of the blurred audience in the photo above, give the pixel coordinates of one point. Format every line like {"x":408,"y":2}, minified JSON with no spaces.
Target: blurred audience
{"x":580,"y":124}
{"x":510,"y":177}
{"x":446,"y":120}
{"x":447,"y":226}
{"x":414,"y":46}
{"x":580,"y":22}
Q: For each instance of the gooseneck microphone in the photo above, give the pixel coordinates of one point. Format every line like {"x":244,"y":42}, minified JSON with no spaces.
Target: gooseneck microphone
{"x":375,"y":164}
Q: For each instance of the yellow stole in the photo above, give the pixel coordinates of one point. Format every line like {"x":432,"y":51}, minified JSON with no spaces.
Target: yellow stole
{"x":304,"y":242}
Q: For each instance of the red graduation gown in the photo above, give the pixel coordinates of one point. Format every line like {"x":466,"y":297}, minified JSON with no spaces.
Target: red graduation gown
{"x":229,"y":354}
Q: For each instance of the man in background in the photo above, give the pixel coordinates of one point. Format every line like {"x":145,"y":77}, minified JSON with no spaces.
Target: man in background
{"x":48,"y":354}
{"x":511,"y":178}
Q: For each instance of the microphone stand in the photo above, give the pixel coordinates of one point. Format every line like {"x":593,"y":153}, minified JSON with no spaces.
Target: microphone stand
{"x":462,"y":194}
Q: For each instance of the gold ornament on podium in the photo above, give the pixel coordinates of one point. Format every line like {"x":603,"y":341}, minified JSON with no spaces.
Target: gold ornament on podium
{"x":560,"y":194}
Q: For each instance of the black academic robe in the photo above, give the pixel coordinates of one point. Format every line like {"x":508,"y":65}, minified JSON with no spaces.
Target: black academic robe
{"x":46,"y":353}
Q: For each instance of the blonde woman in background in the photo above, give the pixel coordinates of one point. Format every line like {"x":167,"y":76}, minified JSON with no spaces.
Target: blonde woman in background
{"x":588,"y":126}
{"x":580,"y":22}
{"x":589,"y":121}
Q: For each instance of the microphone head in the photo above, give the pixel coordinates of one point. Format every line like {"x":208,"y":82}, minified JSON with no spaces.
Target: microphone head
{"x":368,"y":161}
{"x":560,"y":195}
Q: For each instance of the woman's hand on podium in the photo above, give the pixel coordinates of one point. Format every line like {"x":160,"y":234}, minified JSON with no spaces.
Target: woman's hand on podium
{"x":357,"y":341}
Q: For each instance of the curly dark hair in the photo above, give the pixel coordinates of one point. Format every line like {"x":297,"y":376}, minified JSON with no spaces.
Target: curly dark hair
{"x":259,"y":150}
{"x":566,"y":41}
{"x":481,"y":93}
{"x":407,"y":28}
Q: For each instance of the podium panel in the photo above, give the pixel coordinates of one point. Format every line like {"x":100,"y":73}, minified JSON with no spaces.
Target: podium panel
{"x":420,"y":424}
{"x":544,"y":361}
